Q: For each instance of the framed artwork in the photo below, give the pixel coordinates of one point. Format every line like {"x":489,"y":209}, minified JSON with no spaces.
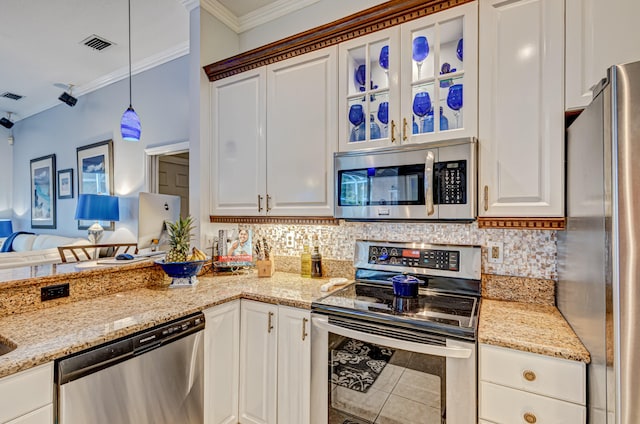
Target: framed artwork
{"x":65,"y":184}
{"x":43,"y":192}
{"x":95,"y":174}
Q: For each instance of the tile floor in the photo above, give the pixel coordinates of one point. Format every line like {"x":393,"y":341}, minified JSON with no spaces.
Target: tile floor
{"x":400,"y":395}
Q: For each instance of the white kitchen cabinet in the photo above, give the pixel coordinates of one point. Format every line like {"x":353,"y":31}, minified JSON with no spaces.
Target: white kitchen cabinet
{"x":258,"y":362}
{"x":27,"y":397}
{"x":222,"y":363}
{"x":413,"y":83}
{"x":238,"y":150}
{"x":516,"y":386}
{"x":275,"y":364}
{"x":521,"y":108}
{"x":294,"y":365}
{"x":599,"y":34}
{"x":273,"y":136}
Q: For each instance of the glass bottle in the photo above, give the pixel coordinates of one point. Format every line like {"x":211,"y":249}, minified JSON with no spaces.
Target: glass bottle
{"x":305,"y":262}
{"x":316,"y":263}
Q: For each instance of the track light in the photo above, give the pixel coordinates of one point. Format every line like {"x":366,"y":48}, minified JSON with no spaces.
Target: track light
{"x":68,"y":98}
{"x":6,"y":122}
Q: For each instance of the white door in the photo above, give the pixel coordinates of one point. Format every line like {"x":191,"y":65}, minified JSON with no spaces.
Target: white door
{"x":238,"y":150}
{"x":258,"y":362}
{"x":301,"y":134}
{"x":521,"y":108}
{"x":222,"y":363}
{"x":294,"y":365}
{"x":173,"y":178}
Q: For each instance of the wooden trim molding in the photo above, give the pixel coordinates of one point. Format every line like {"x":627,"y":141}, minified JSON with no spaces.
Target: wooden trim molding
{"x":523,"y":223}
{"x":287,"y":220}
{"x":382,"y":16}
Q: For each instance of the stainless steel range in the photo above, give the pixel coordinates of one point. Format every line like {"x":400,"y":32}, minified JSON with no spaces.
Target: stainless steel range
{"x":384,"y":354}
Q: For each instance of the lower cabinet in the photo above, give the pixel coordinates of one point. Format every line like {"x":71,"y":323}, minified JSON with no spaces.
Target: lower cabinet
{"x":257,"y":364}
{"x":275,"y":364}
{"x":517,"y":386}
{"x":27,"y":397}
{"x":221,"y":363}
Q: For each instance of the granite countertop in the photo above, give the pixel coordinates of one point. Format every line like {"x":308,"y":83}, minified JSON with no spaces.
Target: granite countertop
{"x":66,"y":326}
{"x":43,"y":335}
{"x":529,"y":327}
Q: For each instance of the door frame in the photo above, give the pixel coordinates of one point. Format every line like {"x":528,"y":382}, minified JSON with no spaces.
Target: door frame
{"x":151,"y":155}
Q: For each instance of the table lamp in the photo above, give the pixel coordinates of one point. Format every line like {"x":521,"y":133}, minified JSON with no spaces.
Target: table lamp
{"x":6,"y":228}
{"x":96,"y":207}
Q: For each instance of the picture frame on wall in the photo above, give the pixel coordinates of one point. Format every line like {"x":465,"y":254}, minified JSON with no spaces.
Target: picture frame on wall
{"x":43,"y":192}
{"x":65,"y":184}
{"x":95,"y":174}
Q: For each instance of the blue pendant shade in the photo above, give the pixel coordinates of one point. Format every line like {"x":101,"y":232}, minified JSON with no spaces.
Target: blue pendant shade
{"x":130,"y":125}
{"x":6,"y":228}
{"x":96,"y":207}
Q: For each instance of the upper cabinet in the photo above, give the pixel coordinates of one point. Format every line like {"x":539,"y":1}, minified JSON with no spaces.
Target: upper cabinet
{"x":599,"y":34}
{"x":273,"y":137}
{"x":521,"y":108}
{"x":413,"y":83}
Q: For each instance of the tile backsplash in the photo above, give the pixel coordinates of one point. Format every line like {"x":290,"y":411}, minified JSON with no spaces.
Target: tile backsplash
{"x":527,"y":253}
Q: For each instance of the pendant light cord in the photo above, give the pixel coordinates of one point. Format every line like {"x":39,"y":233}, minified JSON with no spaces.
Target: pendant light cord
{"x":130,"y":103}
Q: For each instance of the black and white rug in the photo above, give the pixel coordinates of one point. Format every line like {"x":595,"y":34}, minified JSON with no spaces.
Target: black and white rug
{"x":356,"y":365}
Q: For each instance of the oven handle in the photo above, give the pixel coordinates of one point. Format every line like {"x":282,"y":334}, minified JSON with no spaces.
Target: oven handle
{"x":428,"y":182}
{"x":449,"y":352}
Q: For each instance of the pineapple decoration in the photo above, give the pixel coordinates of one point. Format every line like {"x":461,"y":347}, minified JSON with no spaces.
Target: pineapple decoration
{"x":179,"y":239}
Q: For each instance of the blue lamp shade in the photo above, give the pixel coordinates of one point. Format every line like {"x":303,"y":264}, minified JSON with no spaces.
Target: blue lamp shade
{"x":130,"y":125}
{"x":96,"y":207}
{"x":6,"y":228}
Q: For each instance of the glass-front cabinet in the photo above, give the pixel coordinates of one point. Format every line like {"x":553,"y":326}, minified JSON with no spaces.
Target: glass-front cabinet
{"x":413,"y":83}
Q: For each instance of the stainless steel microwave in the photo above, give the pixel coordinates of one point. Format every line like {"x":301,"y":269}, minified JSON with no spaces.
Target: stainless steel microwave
{"x":435,"y":181}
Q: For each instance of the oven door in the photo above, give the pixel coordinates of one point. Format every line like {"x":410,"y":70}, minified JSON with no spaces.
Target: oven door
{"x":361,"y":373}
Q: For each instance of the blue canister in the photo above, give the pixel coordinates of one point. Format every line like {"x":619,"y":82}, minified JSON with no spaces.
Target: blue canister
{"x":405,"y":285}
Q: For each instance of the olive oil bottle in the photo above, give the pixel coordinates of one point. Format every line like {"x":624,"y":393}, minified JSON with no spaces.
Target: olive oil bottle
{"x":305,"y":262}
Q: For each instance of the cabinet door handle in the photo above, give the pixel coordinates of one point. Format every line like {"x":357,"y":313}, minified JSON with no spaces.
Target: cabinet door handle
{"x":393,"y":131}
{"x":529,"y":418}
{"x":270,"y":324}
{"x":259,"y":203}
{"x":404,"y":129}
{"x":529,"y":375}
{"x":268,"y":203}
{"x":486,"y":198}
{"x":304,"y":328}
{"x":428,"y":182}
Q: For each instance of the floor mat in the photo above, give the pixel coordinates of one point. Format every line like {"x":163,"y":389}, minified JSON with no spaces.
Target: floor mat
{"x":356,"y":364}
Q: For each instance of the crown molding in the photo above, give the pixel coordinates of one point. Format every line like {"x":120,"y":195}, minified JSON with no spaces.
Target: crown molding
{"x":119,"y":74}
{"x":271,"y":12}
{"x":190,"y":4}
{"x":223,"y":14}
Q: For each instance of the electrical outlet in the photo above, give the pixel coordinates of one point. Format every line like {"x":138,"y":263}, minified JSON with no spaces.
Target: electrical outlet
{"x":208,"y":241}
{"x":495,"y":252}
{"x":290,"y":240}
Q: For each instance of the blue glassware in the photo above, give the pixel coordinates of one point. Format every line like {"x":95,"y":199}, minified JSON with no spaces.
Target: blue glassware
{"x":459,"y":50}
{"x":374,"y":128}
{"x":444,"y":122}
{"x":384,"y":58}
{"x":445,"y":69}
{"x":422,"y":106}
{"x":415,"y":126}
{"x":361,"y":76}
{"x":383,"y":112}
{"x":454,"y":98}
{"x":420,"y":50}
{"x":427,"y":123}
{"x":356,"y":114}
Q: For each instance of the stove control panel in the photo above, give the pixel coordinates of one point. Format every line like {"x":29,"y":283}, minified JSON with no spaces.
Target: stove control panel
{"x":448,"y":260}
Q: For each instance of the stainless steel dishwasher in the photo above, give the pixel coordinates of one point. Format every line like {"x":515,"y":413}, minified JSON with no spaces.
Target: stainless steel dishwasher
{"x":154,"y":376}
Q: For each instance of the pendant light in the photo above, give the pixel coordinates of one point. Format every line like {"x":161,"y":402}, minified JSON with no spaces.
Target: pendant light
{"x":130,"y":123}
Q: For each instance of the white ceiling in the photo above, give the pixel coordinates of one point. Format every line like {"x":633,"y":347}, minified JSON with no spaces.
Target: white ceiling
{"x":41,"y":42}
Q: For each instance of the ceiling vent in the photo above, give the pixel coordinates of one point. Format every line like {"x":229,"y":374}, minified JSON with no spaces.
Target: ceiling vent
{"x":10,"y":95}
{"x":97,"y":43}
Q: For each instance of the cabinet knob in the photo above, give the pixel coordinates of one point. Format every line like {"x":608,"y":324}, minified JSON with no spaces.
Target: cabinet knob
{"x":404,"y":129}
{"x":529,"y":375}
{"x":304,"y":328}
{"x":393,"y":131}
{"x":529,"y":418}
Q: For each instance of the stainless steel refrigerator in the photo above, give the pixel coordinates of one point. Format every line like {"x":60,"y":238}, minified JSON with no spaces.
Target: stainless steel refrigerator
{"x":599,"y":253}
